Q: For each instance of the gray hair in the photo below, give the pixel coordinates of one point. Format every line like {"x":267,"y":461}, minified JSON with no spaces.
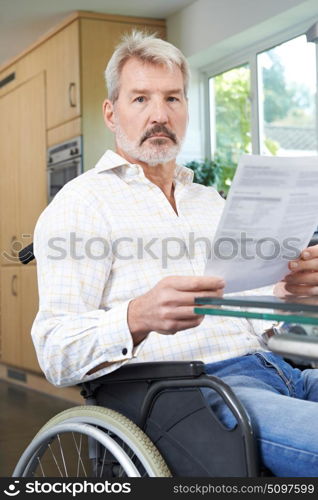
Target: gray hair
{"x":147,"y":48}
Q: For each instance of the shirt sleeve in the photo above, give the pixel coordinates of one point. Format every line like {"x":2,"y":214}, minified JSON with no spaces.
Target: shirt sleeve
{"x":72,"y":333}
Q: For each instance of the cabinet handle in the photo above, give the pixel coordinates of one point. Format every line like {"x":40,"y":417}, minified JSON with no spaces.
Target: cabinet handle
{"x":13,"y":285}
{"x":71,"y":94}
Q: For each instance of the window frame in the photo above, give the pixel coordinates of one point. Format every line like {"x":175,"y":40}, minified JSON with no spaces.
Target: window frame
{"x":249,"y":56}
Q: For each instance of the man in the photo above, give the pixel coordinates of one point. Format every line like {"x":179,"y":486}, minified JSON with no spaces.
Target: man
{"x":118,"y":279}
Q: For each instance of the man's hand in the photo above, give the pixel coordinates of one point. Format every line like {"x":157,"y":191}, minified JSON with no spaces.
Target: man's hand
{"x":303,"y":279}
{"x":168,"y":307}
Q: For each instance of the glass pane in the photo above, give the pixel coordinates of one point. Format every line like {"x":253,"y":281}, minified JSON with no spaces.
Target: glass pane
{"x":287,"y":90}
{"x":230,"y":120}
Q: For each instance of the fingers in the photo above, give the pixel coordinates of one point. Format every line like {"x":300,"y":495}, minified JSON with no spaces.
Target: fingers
{"x":308,"y":260}
{"x":181,"y":313}
{"x":176,"y":299}
{"x":280,"y":289}
{"x":184,"y":325}
{"x":302,"y":283}
{"x":195,"y":283}
{"x":173,"y":326}
{"x":188,"y":298}
{"x":302,"y":290}
{"x":169,"y":306}
{"x":310,"y":253}
{"x":303,"y":265}
{"x":302,"y":278}
{"x":313,"y":300}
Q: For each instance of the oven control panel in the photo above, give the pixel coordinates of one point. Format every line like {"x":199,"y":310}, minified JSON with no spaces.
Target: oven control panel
{"x":64,"y":151}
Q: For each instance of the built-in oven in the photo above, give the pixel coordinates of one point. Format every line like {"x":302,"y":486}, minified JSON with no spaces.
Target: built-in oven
{"x":64,"y":162}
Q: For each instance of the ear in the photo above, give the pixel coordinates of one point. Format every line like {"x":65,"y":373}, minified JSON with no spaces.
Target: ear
{"x":108,"y":112}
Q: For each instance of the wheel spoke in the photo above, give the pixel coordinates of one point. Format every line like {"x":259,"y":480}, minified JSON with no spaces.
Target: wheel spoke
{"x":62,"y":454}
{"x":96,"y":457}
{"x":79,"y":456}
{"x":103,"y":462}
{"x":55,"y":460}
{"x":40,"y":464}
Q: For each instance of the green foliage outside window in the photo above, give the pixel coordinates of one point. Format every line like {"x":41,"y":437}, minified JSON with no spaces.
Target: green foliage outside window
{"x":232,"y":130}
{"x":232,"y":115}
{"x":205,"y":172}
{"x":212,"y":173}
{"x":232,"y":118}
{"x":283,"y":99}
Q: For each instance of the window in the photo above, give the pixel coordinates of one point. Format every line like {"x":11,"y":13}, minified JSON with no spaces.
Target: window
{"x":266,"y":105}
{"x":287,"y":93}
{"x":230,"y":120}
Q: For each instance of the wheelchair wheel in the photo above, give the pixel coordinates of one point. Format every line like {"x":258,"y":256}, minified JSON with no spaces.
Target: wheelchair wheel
{"x":91,"y":441}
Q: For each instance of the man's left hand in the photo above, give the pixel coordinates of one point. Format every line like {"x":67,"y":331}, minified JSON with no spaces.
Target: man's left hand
{"x":303,"y":278}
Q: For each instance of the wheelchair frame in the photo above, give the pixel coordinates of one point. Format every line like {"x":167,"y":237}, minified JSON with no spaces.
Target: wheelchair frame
{"x":169,"y":426}
{"x":171,"y":405}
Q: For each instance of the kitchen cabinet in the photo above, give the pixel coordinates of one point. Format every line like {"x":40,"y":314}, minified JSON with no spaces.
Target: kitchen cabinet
{"x":23,"y":177}
{"x":73,"y":58}
{"x":10,"y":317}
{"x":22,"y":198}
{"x":8,"y":79}
{"x":29,"y":304}
{"x":63,"y":76}
{"x":19,"y":304}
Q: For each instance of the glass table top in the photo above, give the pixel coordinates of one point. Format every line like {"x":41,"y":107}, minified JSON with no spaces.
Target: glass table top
{"x":290,"y":309}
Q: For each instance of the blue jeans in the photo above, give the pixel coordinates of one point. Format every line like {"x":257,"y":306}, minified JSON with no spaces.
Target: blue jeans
{"x":282,"y":404}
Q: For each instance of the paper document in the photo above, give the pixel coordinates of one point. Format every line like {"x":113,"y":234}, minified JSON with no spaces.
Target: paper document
{"x":270,"y":215}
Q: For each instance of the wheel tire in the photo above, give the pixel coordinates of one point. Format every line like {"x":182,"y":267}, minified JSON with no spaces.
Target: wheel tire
{"x":118,"y":425}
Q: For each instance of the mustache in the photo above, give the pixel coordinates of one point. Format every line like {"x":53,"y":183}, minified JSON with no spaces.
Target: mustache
{"x":158,"y":129}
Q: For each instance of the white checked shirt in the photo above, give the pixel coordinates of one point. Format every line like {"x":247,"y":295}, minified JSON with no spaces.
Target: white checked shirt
{"x":107,"y":237}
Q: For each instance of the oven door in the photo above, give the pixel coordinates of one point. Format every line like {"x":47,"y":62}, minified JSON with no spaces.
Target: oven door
{"x":60,"y":174}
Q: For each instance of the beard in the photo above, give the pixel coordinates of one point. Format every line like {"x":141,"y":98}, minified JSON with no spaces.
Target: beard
{"x":153,"y":151}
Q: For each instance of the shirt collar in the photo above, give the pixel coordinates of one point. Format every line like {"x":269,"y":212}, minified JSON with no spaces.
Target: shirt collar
{"x":111,"y":160}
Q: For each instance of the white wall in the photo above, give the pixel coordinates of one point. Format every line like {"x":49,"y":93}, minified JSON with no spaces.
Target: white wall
{"x":203,"y":29}
{"x":194,"y":141}
{"x":208,"y":31}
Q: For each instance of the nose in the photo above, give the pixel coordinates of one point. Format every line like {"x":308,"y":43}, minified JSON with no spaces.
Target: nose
{"x":159,"y":111}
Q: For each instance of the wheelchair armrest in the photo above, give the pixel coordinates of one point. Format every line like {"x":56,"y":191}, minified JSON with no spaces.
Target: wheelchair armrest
{"x":26,"y":255}
{"x":155,"y":371}
{"x":314,"y":240}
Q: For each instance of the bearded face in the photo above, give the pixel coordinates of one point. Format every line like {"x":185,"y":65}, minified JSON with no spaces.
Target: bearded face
{"x":150,"y":116}
{"x":156,"y":146}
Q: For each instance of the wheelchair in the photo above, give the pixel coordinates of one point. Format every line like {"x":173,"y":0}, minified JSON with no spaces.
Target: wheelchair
{"x":144,"y":420}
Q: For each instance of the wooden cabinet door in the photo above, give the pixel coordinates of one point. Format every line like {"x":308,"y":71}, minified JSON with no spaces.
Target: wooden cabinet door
{"x":32,"y":197}
{"x":23,"y":185}
{"x":19,"y":305}
{"x":9,"y":182}
{"x":63,"y":76}
{"x":29,"y":308}
{"x":10,"y":316}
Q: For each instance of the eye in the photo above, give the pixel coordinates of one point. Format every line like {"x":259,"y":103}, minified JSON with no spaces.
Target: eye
{"x":140,"y":98}
{"x":171,"y":98}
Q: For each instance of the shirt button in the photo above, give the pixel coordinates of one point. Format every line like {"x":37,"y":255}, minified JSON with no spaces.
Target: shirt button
{"x":124,"y":351}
